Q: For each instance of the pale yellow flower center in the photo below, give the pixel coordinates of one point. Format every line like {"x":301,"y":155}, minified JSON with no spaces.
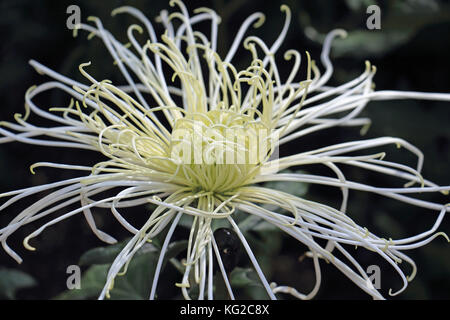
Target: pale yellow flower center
{"x":219,"y":150}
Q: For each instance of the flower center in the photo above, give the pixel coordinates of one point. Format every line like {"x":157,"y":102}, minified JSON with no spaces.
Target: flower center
{"x":219,"y":150}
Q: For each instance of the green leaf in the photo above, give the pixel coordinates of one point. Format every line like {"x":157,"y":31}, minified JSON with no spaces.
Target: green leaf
{"x":369,"y":43}
{"x":91,"y":285}
{"x":255,"y":223}
{"x":185,"y":221}
{"x":356,"y":5}
{"x":257,"y":292}
{"x":175,"y":248}
{"x":398,"y":27}
{"x":135,"y":284}
{"x":241,"y":278}
{"x":137,"y":281}
{"x":295,"y":188}
{"x":12,"y":280}
{"x":102,"y":255}
{"x":222,"y":223}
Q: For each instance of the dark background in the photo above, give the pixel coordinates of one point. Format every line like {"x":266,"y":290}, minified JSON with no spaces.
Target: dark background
{"x":411,"y":52}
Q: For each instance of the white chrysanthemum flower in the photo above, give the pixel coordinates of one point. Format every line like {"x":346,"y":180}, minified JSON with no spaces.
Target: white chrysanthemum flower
{"x":208,"y":98}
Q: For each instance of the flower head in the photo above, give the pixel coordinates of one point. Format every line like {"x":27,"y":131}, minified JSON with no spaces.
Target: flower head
{"x":195,"y":136}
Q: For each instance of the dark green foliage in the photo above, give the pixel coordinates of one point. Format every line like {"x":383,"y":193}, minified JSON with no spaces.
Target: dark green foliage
{"x":411,"y":52}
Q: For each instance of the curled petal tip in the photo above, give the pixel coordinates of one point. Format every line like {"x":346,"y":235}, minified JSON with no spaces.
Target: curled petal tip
{"x":285,"y":8}
{"x":27,"y":245}
{"x":260,"y":21}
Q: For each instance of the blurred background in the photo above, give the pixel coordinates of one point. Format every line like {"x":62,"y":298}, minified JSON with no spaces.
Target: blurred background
{"x":411,"y":52}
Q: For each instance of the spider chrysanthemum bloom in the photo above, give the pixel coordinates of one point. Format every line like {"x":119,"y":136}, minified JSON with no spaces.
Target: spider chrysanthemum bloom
{"x":194,"y":136}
